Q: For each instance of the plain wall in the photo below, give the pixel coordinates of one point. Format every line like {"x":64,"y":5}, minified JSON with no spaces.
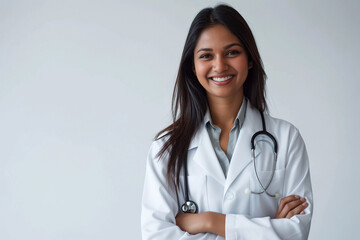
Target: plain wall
{"x":85,"y":86}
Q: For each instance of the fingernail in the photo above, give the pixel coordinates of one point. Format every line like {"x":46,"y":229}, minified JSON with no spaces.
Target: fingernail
{"x":303,"y":199}
{"x":302,"y":212}
{"x":297,"y":196}
{"x":305,"y":204}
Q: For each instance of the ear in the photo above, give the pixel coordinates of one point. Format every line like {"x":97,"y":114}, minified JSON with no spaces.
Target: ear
{"x":250,"y":65}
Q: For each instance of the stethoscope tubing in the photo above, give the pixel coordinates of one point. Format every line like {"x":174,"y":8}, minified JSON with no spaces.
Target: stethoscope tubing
{"x":271,"y":178}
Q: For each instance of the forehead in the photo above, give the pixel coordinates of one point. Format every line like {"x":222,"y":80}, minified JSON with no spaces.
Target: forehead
{"x":216,"y":36}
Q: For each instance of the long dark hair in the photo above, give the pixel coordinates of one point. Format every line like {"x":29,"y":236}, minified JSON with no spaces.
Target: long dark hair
{"x":189,"y":101}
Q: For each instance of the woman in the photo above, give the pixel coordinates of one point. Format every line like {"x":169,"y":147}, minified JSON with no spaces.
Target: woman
{"x":218,"y":105}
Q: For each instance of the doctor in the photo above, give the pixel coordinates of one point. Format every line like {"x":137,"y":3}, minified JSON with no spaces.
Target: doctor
{"x":218,"y":100}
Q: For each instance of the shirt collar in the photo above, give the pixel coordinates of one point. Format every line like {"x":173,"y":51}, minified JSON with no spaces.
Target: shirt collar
{"x":239,"y":118}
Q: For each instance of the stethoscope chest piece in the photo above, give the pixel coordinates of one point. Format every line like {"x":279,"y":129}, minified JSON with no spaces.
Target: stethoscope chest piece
{"x":189,"y":207}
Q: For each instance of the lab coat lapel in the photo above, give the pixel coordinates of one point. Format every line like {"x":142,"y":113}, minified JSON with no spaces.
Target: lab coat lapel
{"x":205,"y":155}
{"x":241,"y":157}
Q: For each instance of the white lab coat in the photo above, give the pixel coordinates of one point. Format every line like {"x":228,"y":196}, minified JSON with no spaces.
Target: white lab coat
{"x":247,"y":216}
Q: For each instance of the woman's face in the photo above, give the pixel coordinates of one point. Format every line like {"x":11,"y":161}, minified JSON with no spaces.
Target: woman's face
{"x":221,"y":63}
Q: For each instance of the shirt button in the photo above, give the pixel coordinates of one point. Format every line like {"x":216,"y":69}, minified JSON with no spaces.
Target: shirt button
{"x":229,"y":196}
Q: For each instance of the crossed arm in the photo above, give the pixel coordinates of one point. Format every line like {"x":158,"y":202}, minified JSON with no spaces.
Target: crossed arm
{"x":212,"y":222}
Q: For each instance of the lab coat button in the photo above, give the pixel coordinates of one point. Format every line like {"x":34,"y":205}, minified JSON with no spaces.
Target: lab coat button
{"x":229,"y":196}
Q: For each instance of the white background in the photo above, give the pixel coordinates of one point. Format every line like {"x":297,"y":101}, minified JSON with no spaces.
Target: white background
{"x":85,"y":86}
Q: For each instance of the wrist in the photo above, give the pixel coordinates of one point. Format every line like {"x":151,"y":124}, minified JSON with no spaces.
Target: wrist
{"x":208,"y":221}
{"x":214,"y":223}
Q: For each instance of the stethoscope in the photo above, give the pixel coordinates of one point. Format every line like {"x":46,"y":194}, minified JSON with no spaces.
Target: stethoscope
{"x":191,"y":207}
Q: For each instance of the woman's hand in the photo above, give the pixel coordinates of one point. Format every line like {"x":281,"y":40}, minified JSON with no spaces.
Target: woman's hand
{"x":211,"y":222}
{"x":290,"y":206}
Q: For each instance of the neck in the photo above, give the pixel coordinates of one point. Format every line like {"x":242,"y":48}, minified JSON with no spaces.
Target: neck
{"x":224,"y":110}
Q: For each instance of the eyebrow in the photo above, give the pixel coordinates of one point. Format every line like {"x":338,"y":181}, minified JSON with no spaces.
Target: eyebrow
{"x":226,"y":47}
{"x":233,"y":44}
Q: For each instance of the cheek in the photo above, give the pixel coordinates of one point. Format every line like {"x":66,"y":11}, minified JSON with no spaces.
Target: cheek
{"x":201,"y":73}
{"x":242,"y":63}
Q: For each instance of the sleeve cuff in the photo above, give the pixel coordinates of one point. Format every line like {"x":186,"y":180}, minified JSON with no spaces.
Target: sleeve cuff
{"x":230,"y":224}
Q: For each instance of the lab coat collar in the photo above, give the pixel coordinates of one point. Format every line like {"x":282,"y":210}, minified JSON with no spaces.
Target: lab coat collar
{"x":197,"y":138}
{"x":242,"y":153}
{"x":205,"y":155}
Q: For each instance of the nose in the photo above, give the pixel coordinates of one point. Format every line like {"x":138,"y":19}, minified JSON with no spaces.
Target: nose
{"x":220,"y":65}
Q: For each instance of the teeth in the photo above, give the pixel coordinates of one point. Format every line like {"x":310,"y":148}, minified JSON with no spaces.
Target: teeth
{"x":221,"y":79}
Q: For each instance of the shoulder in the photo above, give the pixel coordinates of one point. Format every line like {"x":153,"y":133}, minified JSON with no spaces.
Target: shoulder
{"x":281,"y":124}
{"x":156,"y":147}
{"x":156,"y":164}
{"x":273,"y":125}
{"x":285,"y":132}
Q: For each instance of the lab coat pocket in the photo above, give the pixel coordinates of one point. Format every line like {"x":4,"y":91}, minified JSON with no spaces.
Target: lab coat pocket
{"x":273,"y":184}
{"x":197,"y":192}
{"x":263,"y":204}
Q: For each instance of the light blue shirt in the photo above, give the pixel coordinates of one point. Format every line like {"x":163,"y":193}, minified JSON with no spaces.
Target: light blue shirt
{"x":214,"y":134}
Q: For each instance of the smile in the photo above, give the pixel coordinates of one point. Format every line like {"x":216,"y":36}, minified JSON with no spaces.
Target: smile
{"x":221,"y":79}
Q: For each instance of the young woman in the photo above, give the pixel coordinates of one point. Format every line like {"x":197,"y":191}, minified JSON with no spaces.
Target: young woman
{"x":224,"y":168}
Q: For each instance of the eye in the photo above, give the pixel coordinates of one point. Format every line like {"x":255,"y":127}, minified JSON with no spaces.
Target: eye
{"x":205,"y":56}
{"x":233,"y":53}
